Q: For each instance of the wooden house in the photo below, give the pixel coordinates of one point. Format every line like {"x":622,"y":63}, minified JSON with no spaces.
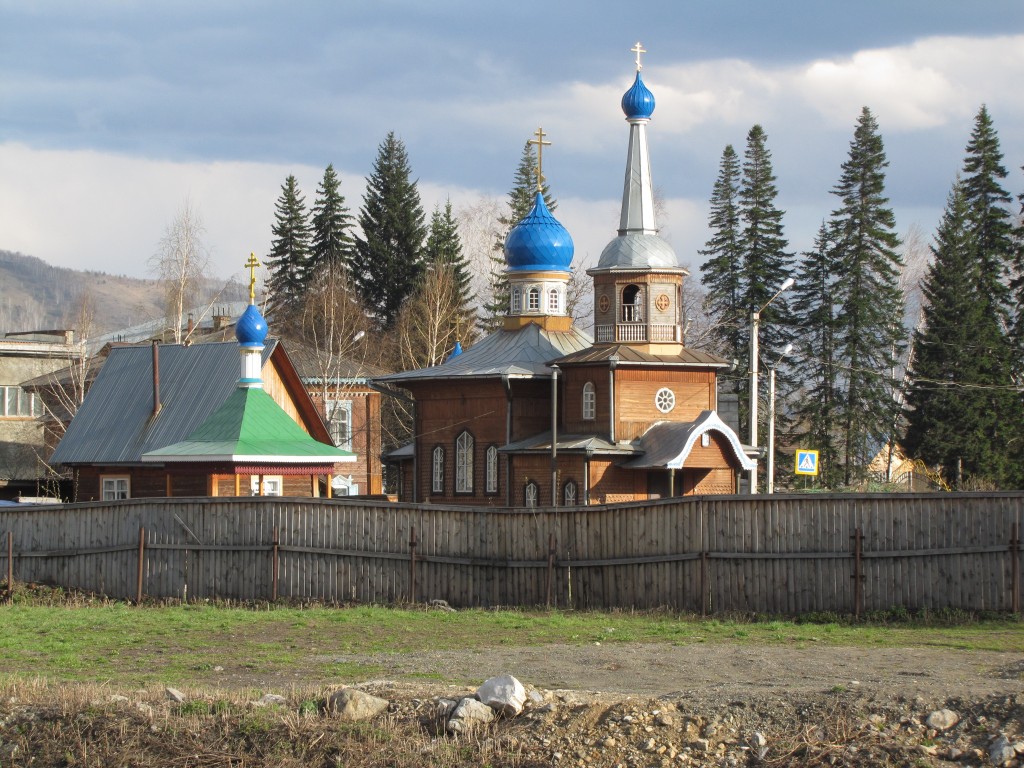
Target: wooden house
{"x":540,"y":413}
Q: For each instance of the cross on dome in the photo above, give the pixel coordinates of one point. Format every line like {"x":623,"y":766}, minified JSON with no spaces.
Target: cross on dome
{"x":638,"y":49}
{"x":540,"y":143}
{"x":251,"y":264}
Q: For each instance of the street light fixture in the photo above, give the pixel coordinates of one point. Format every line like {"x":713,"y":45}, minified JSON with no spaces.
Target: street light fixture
{"x":771,"y":419}
{"x":755,"y":328}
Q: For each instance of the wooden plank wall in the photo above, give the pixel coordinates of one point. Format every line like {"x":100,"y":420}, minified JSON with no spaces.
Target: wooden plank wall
{"x":784,"y":554}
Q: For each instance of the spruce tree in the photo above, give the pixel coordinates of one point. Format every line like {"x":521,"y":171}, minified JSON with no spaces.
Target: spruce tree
{"x":816,"y":410}
{"x":332,"y":224}
{"x":288,"y":260}
{"x":722,"y":272}
{"x":520,"y":202}
{"x":869,"y":330}
{"x":444,"y":249}
{"x":765,"y":263}
{"x":387,"y":260}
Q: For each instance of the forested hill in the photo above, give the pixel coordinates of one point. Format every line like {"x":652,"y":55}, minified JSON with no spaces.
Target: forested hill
{"x":35,"y":295}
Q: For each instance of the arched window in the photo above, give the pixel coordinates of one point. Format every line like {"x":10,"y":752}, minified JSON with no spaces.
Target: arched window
{"x":464,"y":463}
{"x":533,"y":300}
{"x":554,"y":301}
{"x":569,"y":493}
{"x":492,"y":469}
{"x":437,"y":486}
{"x":632,"y":304}
{"x":517,"y":301}
{"x":530,"y":494}
{"x":589,"y":402}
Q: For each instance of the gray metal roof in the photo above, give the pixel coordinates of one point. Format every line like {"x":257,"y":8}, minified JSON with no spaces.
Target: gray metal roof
{"x":624,"y":353}
{"x":638,"y":251}
{"x":541,"y":443}
{"x":668,"y":444}
{"x":522,"y":353}
{"x":313,"y":369}
{"x":116,"y":425}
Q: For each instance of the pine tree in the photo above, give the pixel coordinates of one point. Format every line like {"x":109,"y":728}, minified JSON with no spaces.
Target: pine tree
{"x":289,"y":251}
{"x":332,"y":224}
{"x":520,"y":202}
{"x":816,"y":411}
{"x":444,"y":249}
{"x":765,"y":262}
{"x":869,"y":331}
{"x":387,"y":260}
{"x":723,"y":269}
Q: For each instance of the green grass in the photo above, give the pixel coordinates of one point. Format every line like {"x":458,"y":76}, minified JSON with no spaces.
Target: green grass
{"x":176,"y":644}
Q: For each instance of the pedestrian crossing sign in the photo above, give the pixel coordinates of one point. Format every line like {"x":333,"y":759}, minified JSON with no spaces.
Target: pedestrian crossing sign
{"x":806,"y":462}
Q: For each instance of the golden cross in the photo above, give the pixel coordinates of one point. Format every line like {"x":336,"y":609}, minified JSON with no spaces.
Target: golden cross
{"x":539,"y":141}
{"x":638,"y":49}
{"x":252,"y":264}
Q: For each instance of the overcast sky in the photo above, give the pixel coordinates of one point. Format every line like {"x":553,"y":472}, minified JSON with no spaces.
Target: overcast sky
{"x":113,"y":114}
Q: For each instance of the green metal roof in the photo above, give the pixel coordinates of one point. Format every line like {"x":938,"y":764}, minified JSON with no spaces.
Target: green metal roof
{"x":250,"y":426}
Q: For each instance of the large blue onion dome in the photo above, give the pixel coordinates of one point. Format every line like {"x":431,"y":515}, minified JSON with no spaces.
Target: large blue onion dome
{"x":251,"y":329}
{"x":638,"y":101}
{"x":539,"y":242}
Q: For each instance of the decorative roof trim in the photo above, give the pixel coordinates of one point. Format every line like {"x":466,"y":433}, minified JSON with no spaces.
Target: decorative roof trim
{"x":710,"y":421}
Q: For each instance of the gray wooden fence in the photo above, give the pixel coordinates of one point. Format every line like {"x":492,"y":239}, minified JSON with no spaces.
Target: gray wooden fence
{"x":785,"y":554}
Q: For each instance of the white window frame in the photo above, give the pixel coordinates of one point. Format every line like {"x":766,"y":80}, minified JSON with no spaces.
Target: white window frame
{"x":25,"y":403}
{"x":589,"y":401}
{"x":273,"y":485}
{"x":554,"y":301}
{"x":517,"y":301}
{"x":437,"y":470}
{"x":530,"y":494}
{"x":533,"y":300}
{"x":492,"y":469}
{"x":339,"y":422}
{"x":464,"y":449}
{"x":665,"y":400}
{"x":570,"y":493}
{"x":115,"y":487}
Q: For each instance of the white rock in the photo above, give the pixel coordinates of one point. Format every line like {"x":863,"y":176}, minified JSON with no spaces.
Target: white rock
{"x":942,"y":719}
{"x":503,"y":694}
{"x":469,"y":713}
{"x":118,"y":698}
{"x":174,"y":694}
{"x":1001,"y":751}
{"x":352,"y":704}
{"x":272,"y":698}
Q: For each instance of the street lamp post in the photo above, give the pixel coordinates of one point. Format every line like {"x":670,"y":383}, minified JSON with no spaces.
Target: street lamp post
{"x":755,"y":329}
{"x":771,"y":419}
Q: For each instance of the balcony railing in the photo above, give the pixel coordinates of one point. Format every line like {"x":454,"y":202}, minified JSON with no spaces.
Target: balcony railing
{"x":636,"y":332}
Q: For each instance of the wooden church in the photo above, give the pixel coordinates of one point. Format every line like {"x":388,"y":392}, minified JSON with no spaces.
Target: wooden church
{"x":540,"y":414}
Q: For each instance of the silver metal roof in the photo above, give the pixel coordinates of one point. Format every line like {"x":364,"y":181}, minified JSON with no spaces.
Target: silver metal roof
{"x":624,"y":354}
{"x":522,"y":353}
{"x":541,"y":443}
{"x":116,"y":425}
{"x":668,"y":444}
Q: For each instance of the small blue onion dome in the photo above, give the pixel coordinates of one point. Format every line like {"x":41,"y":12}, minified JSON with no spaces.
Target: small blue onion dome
{"x":455,"y":352}
{"x":539,"y":242}
{"x":251,"y":329}
{"x":638,"y":101}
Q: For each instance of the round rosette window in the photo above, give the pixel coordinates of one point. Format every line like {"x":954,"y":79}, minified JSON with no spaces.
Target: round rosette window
{"x":665,"y":399}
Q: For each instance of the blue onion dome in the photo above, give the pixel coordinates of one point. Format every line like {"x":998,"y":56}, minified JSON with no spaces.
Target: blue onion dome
{"x":251,"y":328}
{"x":539,"y":242}
{"x":638,"y":101}
{"x":455,"y":352}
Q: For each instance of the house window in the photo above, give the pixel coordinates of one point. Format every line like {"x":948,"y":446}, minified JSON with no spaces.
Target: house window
{"x":569,"y":493}
{"x":665,"y":399}
{"x":554,"y":304}
{"x":589,"y":402}
{"x":339,"y":419}
{"x":492,"y":469}
{"x":533,"y":300}
{"x":273,"y":485}
{"x":437,"y":486}
{"x":115,"y":488}
{"x":15,"y":402}
{"x":517,"y":301}
{"x":530,"y":494}
{"x":464,"y":463}
{"x":632,"y":304}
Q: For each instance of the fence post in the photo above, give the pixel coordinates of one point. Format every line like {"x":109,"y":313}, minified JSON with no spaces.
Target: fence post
{"x":703,"y":583}
{"x":412,"y":564}
{"x":1015,"y":568}
{"x":275,"y":565}
{"x":858,"y":576}
{"x":141,"y":569}
{"x":551,"y":565}
{"x":10,"y":565}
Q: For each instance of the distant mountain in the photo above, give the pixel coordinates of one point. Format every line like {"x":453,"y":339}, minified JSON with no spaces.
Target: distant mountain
{"x":37,"y":296}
